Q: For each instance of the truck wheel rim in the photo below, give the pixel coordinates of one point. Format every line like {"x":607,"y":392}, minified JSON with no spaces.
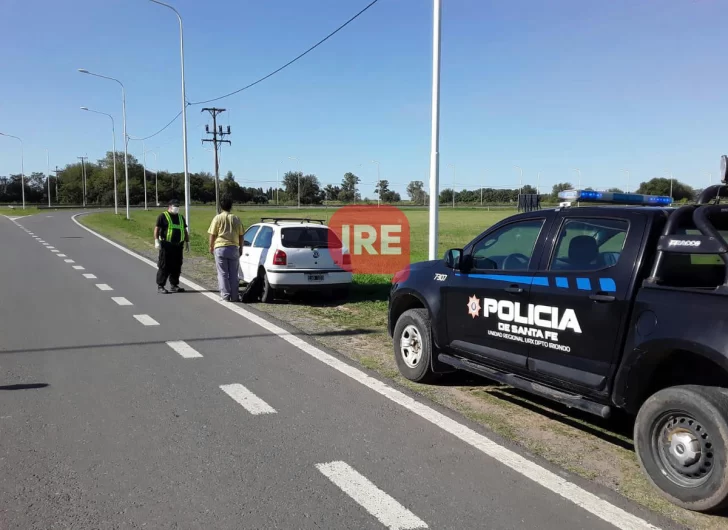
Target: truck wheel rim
{"x":683,"y":449}
{"x":410,"y":346}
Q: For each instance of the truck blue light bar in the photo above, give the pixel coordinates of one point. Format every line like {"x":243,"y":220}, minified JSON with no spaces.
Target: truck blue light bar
{"x":614,"y":198}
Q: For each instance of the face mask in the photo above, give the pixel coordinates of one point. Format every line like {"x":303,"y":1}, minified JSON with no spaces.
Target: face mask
{"x":175,"y":209}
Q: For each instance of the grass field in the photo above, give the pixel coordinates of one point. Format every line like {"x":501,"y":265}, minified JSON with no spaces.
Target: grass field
{"x":18,"y":211}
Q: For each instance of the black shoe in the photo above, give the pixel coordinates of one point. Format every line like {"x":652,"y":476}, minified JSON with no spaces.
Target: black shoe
{"x":162,"y":290}
{"x":177,"y":289}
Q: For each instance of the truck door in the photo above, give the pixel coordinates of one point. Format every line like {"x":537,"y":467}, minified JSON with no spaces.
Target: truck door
{"x":491,"y":289}
{"x":580,"y":311}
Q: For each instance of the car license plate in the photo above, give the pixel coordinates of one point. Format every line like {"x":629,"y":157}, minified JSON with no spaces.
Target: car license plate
{"x":315,"y":277}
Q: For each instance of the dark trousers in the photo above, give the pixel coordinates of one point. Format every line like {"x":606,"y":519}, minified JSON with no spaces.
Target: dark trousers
{"x":169,"y":264}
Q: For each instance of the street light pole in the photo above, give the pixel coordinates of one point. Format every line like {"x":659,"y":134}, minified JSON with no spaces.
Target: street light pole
{"x":113,"y":147}
{"x":520,"y":181}
{"x":435,"y":132}
{"x":22,"y":166}
{"x":48,"y":175}
{"x":126,"y":138}
{"x":144,"y":168}
{"x":579,"y":172}
{"x":627,"y":171}
{"x":184,"y":110}
{"x":453,"y":184}
{"x":538,"y":183}
{"x":379,"y":196}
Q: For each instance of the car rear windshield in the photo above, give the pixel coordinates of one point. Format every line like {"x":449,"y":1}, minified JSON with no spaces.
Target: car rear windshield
{"x":309,"y":236}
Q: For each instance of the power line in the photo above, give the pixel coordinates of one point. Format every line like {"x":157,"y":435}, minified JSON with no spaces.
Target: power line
{"x":293,"y":60}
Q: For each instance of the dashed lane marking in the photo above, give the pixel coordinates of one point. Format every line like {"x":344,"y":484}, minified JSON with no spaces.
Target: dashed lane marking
{"x":386,"y":509}
{"x":247,"y":399}
{"x":69,"y":261}
{"x":104,"y":287}
{"x":89,"y":276}
{"x":549,"y":480}
{"x":79,"y":267}
{"x":146,"y":320}
{"x":121,"y":300}
{"x":61,"y":255}
{"x":184,"y":349}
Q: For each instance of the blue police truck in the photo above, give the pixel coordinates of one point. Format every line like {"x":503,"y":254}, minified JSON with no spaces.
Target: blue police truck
{"x":619,"y":303}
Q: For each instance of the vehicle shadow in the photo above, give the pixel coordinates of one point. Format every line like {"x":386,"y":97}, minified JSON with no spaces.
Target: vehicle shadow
{"x":616,"y":430}
{"x":23,"y":386}
{"x":370,"y":291}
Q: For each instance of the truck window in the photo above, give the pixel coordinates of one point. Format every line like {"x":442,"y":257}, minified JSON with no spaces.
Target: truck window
{"x":509,"y":248}
{"x":589,"y":244}
{"x":693,"y":270}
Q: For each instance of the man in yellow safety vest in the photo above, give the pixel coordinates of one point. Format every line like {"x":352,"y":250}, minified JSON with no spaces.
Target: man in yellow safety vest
{"x":170,"y":237}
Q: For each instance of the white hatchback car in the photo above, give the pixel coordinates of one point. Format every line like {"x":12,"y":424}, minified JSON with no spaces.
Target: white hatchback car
{"x":292,"y":255}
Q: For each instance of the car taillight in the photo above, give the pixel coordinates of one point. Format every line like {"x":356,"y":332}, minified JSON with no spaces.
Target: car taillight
{"x":279,"y":258}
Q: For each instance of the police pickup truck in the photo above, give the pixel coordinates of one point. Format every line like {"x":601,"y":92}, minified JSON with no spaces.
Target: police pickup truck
{"x":622,"y":305}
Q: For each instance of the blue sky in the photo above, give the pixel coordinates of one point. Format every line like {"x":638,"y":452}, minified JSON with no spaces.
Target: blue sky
{"x":548,"y":86}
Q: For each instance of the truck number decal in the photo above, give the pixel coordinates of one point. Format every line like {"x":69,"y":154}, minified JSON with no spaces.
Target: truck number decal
{"x":683,"y":243}
{"x":440,"y":277}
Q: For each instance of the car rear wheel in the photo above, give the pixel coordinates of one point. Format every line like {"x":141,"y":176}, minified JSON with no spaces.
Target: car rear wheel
{"x":267,"y":294}
{"x":412,"y":342}
{"x":681,"y":438}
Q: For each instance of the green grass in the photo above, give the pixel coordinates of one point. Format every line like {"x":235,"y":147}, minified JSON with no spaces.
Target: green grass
{"x":18,"y":211}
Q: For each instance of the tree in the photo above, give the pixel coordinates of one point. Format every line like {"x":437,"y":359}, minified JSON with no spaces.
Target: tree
{"x":385,"y":194}
{"x":348,"y":191}
{"x":332,"y":192}
{"x":661,"y":186}
{"x":310,"y":189}
{"x":416,"y":192}
{"x":558,"y":188}
{"x":615,"y":190}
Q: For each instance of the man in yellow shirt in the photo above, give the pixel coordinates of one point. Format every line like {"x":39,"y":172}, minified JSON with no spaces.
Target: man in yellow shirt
{"x":226,"y":244}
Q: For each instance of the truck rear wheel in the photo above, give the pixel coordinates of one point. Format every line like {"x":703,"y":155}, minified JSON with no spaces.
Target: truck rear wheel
{"x":412,"y":343}
{"x":681,"y":437}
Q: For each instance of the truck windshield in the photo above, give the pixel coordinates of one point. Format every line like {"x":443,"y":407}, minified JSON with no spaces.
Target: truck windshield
{"x":309,"y":236}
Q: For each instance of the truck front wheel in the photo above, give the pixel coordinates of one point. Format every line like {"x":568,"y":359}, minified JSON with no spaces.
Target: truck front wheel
{"x":413,"y":346}
{"x":681,"y":436}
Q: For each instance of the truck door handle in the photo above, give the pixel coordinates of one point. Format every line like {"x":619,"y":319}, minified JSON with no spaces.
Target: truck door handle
{"x":513,"y":289}
{"x":598,"y":297}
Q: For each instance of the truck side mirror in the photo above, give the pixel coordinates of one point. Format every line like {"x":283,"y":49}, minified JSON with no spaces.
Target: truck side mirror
{"x":724,"y":169}
{"x":452,"y":258}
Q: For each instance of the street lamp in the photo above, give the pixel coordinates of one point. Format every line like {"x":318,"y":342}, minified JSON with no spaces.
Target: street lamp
{"x":113,"y":135}
{"x":126,"y":138}
{"x":22,"y":168}
{"x":379,"y":196}
{"x":299,"y":178}
{"x":184,"y":108}
{"x":435,"y":132}
{"x":627,"y":171}
{"x":579,"y":172}
{"x":670,"y":183}
{"x":520,"y":182}
{"x":48,"y":175}
{"x":453,"y":184}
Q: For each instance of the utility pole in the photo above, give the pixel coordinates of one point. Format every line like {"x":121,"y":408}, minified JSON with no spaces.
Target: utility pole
{"x":83,"y":166}
{"x":216,"y":132}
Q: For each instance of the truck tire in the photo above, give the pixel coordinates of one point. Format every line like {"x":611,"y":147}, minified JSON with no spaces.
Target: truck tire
{"x":681,"y":437}
{"x":412,"y":343}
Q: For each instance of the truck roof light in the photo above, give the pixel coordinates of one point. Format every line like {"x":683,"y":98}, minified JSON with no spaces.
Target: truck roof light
{"x":614,"y":197}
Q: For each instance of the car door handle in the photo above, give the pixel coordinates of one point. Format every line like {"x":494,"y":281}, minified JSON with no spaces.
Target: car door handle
{"x":598,"y":297}
{"x":514,"y":289}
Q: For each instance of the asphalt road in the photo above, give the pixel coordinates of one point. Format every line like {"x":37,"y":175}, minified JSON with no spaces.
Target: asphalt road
{"x":211,"y":418}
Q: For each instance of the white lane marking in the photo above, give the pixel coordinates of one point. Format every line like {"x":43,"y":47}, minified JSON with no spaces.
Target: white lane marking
{"x":50,"y":247}
{"x":54,"y":251}
{"x":184,"y":349}
{"x":146,"y":320}
{"x":79,"y":267}
{"x":61,"y":255}
{"x":69,"y":261}
{"x":89,"y":276}
{"x":389,"y":512}
{"x":590,"y":502}
{"x":247,"y":399}
{"x":121,"y":300}
{"x":104,"y":287}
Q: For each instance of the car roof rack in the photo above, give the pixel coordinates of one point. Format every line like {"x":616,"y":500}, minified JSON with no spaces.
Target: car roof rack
{"x":710,"y":240}
{"x":301,"y":219}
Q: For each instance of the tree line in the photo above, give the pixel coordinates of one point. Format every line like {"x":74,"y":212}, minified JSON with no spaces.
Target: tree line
{"x":68,"y":184}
